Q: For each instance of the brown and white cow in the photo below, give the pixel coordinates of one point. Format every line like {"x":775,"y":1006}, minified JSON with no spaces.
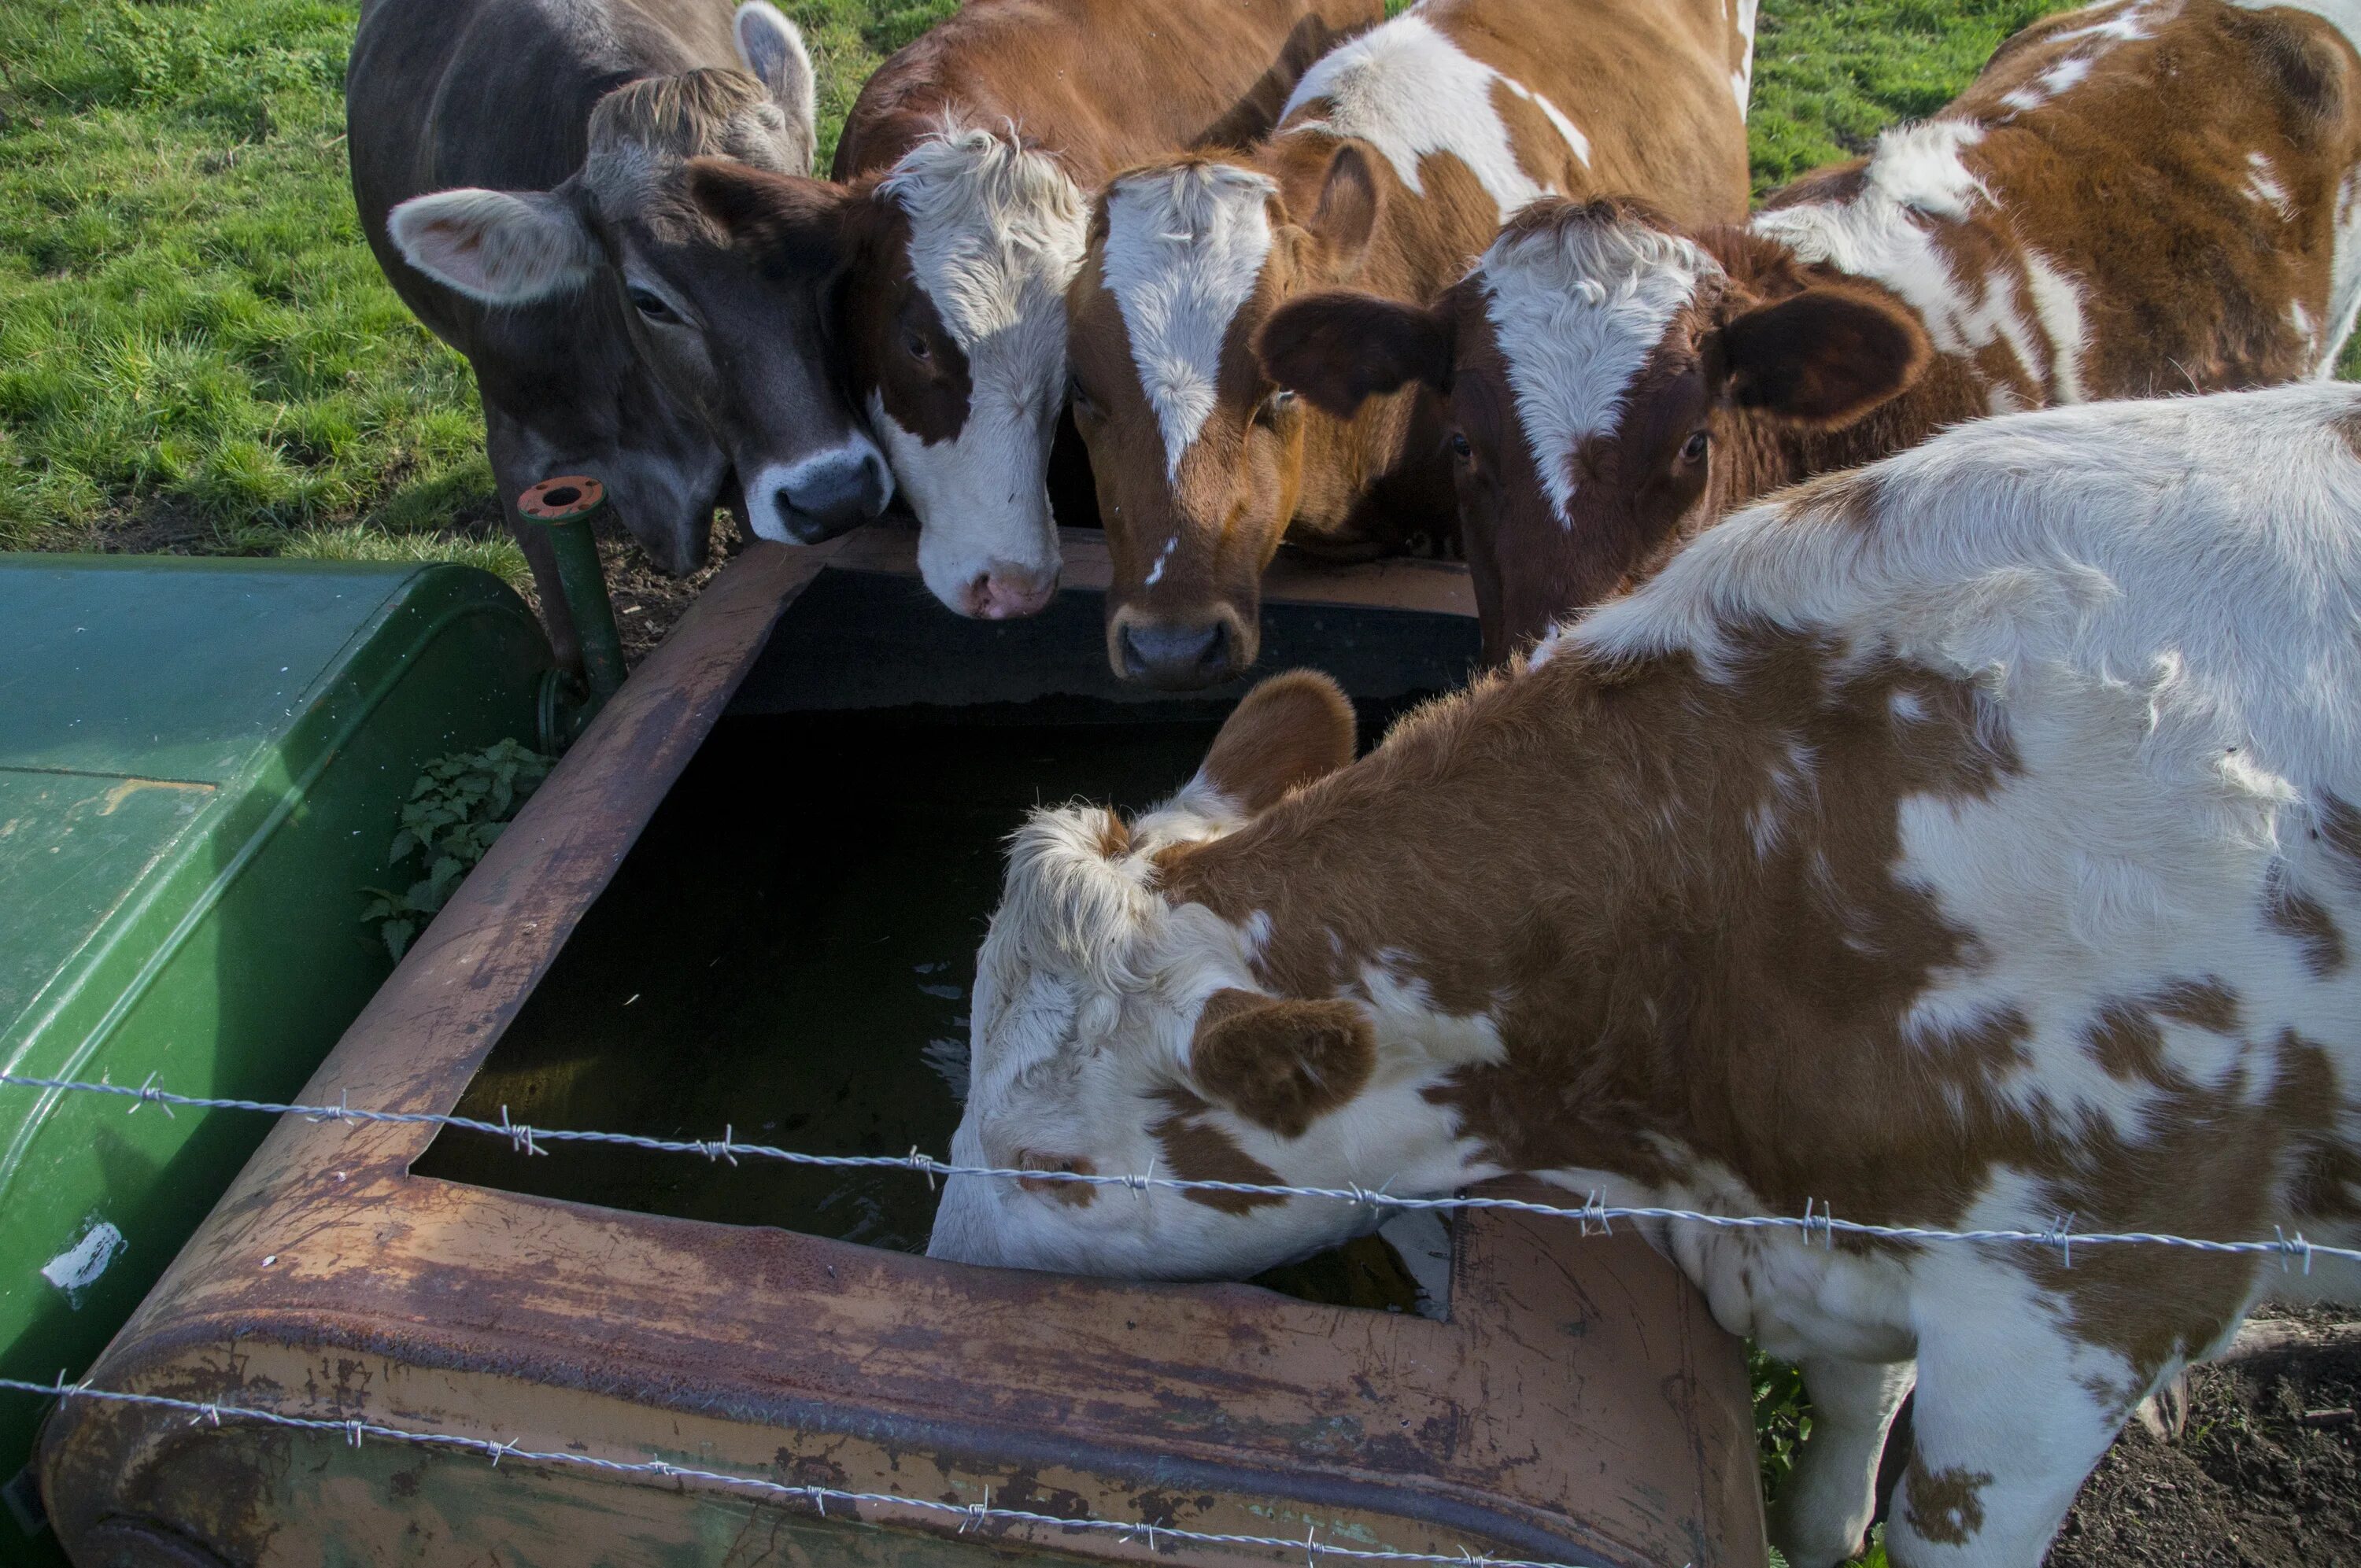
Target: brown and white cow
{"x":2140,"y":198}
{"x":1399,"y":154}
{"x":518,"y":171}
{"x":1971,"y":842}
{"x":966,"y":162}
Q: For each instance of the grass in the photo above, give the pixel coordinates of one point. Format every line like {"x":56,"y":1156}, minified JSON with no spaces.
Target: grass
{"x":196,"y":349}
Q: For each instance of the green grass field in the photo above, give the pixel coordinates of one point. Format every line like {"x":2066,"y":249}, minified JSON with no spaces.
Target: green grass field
{"x":197,"y":351}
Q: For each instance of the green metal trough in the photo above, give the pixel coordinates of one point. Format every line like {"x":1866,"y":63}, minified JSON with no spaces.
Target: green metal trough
{"x":202,"y":764}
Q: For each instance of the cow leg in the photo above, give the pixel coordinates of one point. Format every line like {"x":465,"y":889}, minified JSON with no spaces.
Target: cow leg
{"x":1825,"y":1504}
{"x":520,"y":462}
{"x":2011,"y":1416}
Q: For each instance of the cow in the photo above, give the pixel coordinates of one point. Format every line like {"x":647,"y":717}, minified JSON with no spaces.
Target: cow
{"x":956,"y":223}
{"x":2139,"y":198}
{"x":517,"y":168}
{"x":1967,"y":842}
{"x":1399,"y":154}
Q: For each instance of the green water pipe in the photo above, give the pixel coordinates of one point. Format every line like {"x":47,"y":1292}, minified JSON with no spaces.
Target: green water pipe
{"x":568,"y":507}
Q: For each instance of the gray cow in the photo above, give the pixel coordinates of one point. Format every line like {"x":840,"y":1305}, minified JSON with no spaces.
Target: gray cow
{"x":516,"y":165}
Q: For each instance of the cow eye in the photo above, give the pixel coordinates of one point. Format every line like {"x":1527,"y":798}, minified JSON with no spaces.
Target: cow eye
{"x":649,"y":305}
{"x":916,"y":347}
{"x":1693,"y":449}
{"x":1082,"y":400}
{"x":1460,"y":448}
{"x":1275,"y":404}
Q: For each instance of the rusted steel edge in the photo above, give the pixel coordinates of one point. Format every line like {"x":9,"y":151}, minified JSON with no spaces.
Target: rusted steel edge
{"x":980,"y":1448}
{"x":1440,"y":587}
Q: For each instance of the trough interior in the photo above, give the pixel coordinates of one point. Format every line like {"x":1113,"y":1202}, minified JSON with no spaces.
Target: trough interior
{"x":789,"y":948}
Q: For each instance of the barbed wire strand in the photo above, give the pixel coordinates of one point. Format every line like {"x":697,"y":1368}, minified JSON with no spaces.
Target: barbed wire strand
{"x":1815,"y":1221}
{"x":354,"y":1432}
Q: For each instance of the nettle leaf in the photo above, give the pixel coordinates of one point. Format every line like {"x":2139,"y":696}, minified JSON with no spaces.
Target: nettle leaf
{"x":398,"y":934}
{"x":456,"y":811}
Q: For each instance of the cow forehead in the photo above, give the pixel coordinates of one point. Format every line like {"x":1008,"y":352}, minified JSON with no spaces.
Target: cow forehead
{"x":996,"y":231}
{"x":1185,"y":247}
{"x":1578,"y":309}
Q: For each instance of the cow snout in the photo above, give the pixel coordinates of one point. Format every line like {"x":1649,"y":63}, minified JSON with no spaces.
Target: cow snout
{"x":1176,"y":656}
{"x":1008,"y":592}
{"x":822,"y":496}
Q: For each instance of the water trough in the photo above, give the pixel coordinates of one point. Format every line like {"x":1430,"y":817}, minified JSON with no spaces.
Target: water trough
{"x":751,"y":896}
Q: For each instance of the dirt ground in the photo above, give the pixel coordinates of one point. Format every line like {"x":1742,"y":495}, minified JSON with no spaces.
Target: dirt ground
{"x":2265,"y":1472}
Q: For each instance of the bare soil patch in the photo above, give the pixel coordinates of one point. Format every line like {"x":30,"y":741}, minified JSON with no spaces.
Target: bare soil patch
{"x":2266,"y":1474}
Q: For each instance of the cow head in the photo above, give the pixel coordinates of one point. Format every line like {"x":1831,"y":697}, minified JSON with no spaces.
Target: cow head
{"x":951,"y":309}
{"x":1116,"y":1032}
{"x":746,"y":353}
{"x":1613,"y":384}
{"x":1200,"y":459}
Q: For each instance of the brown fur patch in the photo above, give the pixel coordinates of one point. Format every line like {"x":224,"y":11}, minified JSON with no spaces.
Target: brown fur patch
{"x":2340,"y":830}
{"x":1198,"y":1149}
{"x":1073,"y":1194}
{"x":1855,"y":497}
{"x":2306,"y":922}
{"x":1946,"y":1505}
{"x":1280,"y":1063}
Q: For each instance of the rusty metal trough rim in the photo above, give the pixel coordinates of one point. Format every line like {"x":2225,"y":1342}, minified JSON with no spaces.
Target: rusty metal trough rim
{"x":682,"y":693}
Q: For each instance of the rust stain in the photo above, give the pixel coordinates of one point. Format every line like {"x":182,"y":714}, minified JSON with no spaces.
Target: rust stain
{"x":114,"y":798}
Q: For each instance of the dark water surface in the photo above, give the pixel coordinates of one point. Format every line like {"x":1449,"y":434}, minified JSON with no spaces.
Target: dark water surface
{"x":788,"y":953}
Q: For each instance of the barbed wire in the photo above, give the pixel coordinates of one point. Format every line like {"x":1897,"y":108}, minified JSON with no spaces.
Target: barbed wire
{"x":1815,"y":1221}
{"x":354,"y":1430}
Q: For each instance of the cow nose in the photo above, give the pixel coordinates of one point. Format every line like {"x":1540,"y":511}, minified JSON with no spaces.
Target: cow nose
{"x":1006,"y":592}
{"x":1177,"y":658}
{"x":822,"y":496}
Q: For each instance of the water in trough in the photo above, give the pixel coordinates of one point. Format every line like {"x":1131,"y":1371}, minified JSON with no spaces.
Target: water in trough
{"x":789,"y":951}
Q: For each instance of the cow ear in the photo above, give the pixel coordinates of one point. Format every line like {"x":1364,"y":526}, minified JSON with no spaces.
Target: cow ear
{"x":503,"y":247}
{"x":1339,"y":349}
{"x":1347,"y":213}
{"x":1280,"y":1063}
{"x":1823,"y":358}
{"x":1287,"y":732}
{"x":772,"y":51}
{"x":790,"y":224}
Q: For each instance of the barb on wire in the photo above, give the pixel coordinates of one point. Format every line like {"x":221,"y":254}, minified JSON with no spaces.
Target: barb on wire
{"x":353,"y":1429}
{"x":1816,"y":1222}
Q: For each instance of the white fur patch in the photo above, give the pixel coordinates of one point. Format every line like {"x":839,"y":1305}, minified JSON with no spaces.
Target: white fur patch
{"x":2126,"y":23}
{"x":1408,"y":91}
{"x":1742,"y":80}
{"x":2263,"y":185}
{"x":2058,"y":306}
{"x":2051,"y":84}
{"x":1185,"y":248}
{"x":996,"y":233}
{"x":1578,"y":309}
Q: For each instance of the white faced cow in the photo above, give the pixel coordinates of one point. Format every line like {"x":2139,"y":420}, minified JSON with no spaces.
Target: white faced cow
{"x":612,"y":330}
{"x":1399,"y":154}
{"x":2140,"y":198}
{"x":967,"y":162}
{"x":1969,"y":841}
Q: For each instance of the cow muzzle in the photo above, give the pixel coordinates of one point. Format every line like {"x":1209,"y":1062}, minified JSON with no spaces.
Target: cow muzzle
{"x":820,"y":497}
{"x":1176,"y":654}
